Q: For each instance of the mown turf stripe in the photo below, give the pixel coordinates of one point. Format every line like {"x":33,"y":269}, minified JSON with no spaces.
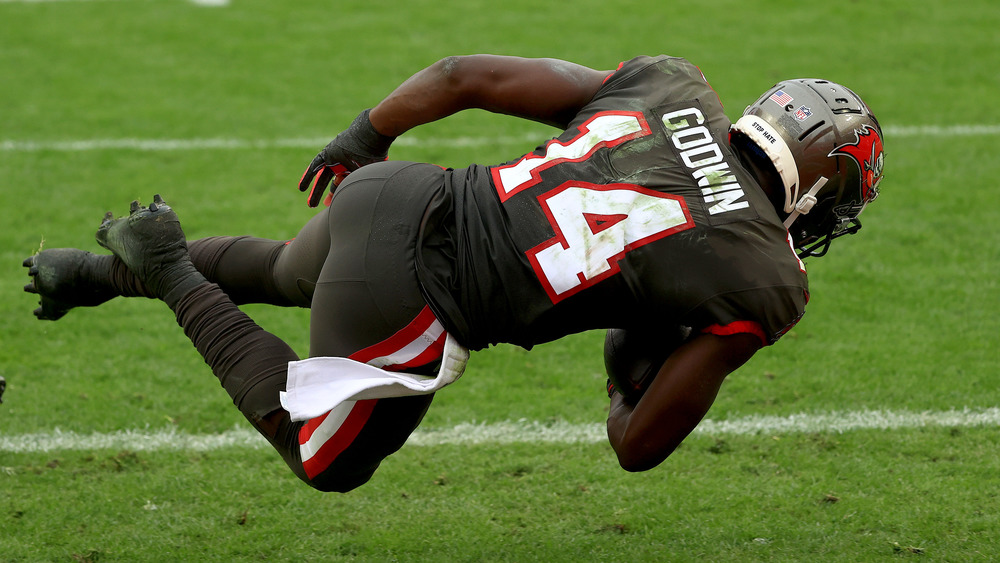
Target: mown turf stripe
{"x":899,"y":131}
{"x":210,"y":3}
{"x":508,"y":432}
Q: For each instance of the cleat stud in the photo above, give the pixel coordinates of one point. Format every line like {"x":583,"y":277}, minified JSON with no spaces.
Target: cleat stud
{"x":134,"y":206}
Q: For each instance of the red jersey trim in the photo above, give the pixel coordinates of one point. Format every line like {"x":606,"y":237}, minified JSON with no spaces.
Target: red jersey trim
{"x":612,"y":73}
{"x":739,"y":327}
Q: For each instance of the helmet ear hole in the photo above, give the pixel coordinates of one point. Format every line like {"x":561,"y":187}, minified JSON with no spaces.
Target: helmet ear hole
{"x":757,"y":161}
{"x":758,"y":131}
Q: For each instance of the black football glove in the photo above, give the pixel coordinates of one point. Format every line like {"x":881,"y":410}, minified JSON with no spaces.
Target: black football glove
{"x":358,"y":145}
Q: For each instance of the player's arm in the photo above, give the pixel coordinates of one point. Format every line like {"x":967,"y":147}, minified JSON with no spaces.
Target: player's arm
{"x":546,"y":90}
{"x":550,"y":91}
{"x":676,"y":401}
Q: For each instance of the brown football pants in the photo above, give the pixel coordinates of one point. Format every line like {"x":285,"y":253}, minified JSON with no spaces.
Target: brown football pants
{"x":352,"y":265}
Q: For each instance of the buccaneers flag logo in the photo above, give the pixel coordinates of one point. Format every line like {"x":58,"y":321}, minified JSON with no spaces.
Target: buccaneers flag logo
{"x":866,"y":151}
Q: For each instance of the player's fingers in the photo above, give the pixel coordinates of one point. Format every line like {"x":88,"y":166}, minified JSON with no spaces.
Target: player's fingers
{"x":307,"y":177}
{"x":319,"y":186}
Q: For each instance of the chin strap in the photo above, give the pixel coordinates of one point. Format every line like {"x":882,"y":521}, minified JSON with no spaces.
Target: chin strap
{"x":806,"y":202}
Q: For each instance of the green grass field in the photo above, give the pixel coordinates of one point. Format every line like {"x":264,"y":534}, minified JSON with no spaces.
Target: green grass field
{"x":219,"y":108}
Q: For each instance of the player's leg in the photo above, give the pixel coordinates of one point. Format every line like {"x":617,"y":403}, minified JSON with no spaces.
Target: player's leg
{"x":250,"y":363}
{"x":368,"y":306}
{"x":65,"y":278}
{"x":257,"y":270}
{"x":342,"y":449}
{"x":249,"y":269}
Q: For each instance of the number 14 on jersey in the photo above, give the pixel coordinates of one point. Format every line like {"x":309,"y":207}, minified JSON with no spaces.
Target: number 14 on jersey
{"x":595,"y":227}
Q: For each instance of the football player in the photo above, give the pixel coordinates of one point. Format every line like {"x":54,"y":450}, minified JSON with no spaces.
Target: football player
{"x":651,"y":215}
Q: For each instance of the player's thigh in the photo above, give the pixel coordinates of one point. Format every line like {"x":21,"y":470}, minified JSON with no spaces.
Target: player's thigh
{"x":367,"y":289}
{"x":300,"y":261}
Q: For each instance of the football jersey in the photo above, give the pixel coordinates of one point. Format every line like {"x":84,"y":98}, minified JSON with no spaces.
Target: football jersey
{"x":638,"y":214}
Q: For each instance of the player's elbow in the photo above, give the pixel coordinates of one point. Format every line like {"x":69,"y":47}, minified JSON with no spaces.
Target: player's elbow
{"x":453,"y":72}
{"x":639,"y":450}
{"x":639,"y":455}
{"x":447,"y":67}
{"x":632,"y":465}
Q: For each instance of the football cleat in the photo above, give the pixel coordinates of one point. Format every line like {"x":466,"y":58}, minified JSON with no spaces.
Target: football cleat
{"x":151,"y":243}
{"x":64,"y":278}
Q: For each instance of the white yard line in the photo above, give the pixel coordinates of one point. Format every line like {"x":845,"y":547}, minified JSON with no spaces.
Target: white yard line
{"x":525,"y":431}
{"x":221,"y":143}
{"x":965,"y":130}
{"x":243,"y":144}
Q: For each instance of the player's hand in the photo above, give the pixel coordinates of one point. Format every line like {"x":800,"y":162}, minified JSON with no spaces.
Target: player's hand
{"x":359,"y":145}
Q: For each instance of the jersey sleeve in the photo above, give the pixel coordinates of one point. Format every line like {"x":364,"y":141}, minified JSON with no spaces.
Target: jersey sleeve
{"x":767,"y":313}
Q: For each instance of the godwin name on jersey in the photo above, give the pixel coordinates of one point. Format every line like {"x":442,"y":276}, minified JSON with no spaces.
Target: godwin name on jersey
{"x":637,"y":214}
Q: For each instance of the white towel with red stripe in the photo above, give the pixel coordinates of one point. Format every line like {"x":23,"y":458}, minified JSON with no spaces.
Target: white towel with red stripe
{"x":317,"y":385}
